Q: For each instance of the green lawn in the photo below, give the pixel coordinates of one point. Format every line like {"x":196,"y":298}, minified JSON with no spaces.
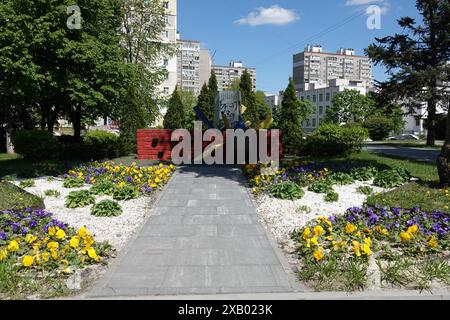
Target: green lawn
{"x":12,"y":197}
{"x":411,"y":144}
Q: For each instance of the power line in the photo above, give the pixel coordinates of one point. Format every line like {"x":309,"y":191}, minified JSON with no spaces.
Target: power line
{"x":314,"y":37}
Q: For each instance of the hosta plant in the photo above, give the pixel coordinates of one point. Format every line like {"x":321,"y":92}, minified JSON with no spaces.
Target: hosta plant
{"x":79,"y":199}
{"x":363,"y":174}
{"x":287,"y":191}
{"x":391,"y":178}
{"x":331,"y":197}
{"x":52,"y":193}
{"x":106,"y":208}
{"x":104,"y":187}
{"x":321,"y":187}
{"x":126,"y":192}
{"x":73,"y":183}
{"x":341,"y":178}
{"x":26,"y":184}
{"x":365,"y":190}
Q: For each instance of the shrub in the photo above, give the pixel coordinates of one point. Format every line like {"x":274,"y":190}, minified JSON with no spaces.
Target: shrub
{"x":379,"y":127}
{"x":104,"y":187}
{"x":26,"y":184}
{"x":106,"y":208}
{"x":79,"y":199}
{"x":287,"y":191}
{"x":52,"y":193}
{"x":126,"y":192}
{"x":36,"y":144}
{"x":331,"y":197}
{"x":70,"y":183}
{"x":391,"y":178}
{"x":104,"y":144}
{"x":365,"y":190}
{"x":331,"y":139}
{"x":341,"y":178}
{"x":363,"y":174}
{"x":321,"y":187}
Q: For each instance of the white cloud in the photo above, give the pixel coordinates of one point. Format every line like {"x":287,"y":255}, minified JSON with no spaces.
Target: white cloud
{"x":274,"y":15}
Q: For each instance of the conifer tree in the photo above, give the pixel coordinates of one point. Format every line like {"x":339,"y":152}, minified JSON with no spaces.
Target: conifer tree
{"x":175,"y":116}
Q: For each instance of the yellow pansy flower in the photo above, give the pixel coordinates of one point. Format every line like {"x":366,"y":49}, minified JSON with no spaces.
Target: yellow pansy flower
{"x":413,"y":229}
{"x":92,"y":254}
{"x":29,"y":238}
{"x":27,"y":261}
{"x":432,"y":243}
{"x":13,"y":246}
{"x":318,"y":231}
{"x":51,"y":231}
{"x":314,"y":241}
{"x":52,"y":245}
{"x":60,"y":234}
{"x":318,"y":254}
{"x":3,"y":254}
{"x":74,"y":242}
{"x":356,"y":248}
{"x":306,"y":233}
{"x":350,"y":228}
{"x":82,"y":232}
{"x":405,"y":237}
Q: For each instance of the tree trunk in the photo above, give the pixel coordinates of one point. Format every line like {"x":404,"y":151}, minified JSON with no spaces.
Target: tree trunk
{"x":443,"y":162}
{"x":76,"y":123}
{"x":431,"y":136}
{"x":9,"y":145}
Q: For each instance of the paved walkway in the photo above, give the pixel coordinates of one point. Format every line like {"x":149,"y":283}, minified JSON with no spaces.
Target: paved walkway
{"x":419,"y":154}
{"x":202,"y":237}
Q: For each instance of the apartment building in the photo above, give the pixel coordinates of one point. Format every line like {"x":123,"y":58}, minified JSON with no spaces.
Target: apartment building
{"x":314,"y":68}
{"x":169,"y":35}
{"x":227,"y":74}
{"x":321,"y":98}
{"x":273,"y":100}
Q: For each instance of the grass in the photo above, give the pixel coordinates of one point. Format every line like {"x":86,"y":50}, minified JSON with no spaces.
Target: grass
{"x":13,"y":197}
{"x":411,"y":144}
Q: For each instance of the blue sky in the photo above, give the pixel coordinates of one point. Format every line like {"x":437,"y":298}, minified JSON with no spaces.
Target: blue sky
{"x":266,"y":33}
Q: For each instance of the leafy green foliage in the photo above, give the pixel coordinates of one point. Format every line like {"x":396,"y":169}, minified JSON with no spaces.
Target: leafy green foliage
{"x":52,"y":193}
{"x":104,"y":187}
{"x":391,"y":178}
{"x":13,"y":197}
{"x":106,"y":208}
{"x":36,"y":144}
{"x":26,"y":184}
{"x":104,"y":143}
{"x":205,"y":104}
{"x":175,"y":117}
{"x":349,"y":106}
{"x":363,"y":174}
{"x":365,"y":190}
{"x":125,"y":193}
{"x":70,"y":183}
{"x":331,"y":139}
{"x":379,"y":127}
{"x":189,"y":101}
{"x":287,"y":191}
{"x":331,"y":197}
{"x":341,"y":178}
{"x":321,"y":187}
{"x":79,"y":199}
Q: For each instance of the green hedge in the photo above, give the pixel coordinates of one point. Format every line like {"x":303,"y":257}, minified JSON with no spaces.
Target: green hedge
{"x":36,"y":145}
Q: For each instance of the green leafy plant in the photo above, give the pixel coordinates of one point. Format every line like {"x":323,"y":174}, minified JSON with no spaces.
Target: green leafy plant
{"x":331,"y":197}
{"x":73,"y":183}
{"x":303,"y":209}
{"x":106,"y":208}
{"x":104,"y":187}
{"x":125,"y":193}
{"x":26,"y":184}
{"x":52,"y":193}
{"x":391,"y":178}
{"x":79,"y":199}
{"x":365,"y":190}
{"x":287,"y":191}
{"x":363,"y":174}
{"x":36,"y":144}
{"x":341,"y":178}
{"x":321,"y":187}
{"x":50,"y":179}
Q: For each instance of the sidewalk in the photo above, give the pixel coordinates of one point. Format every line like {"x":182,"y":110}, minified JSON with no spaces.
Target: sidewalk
{"x":203,"y":237}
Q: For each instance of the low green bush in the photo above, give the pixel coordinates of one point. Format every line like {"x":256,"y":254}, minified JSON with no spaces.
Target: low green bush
{"x":365,"y":190}
{"x":106,"y":208}
{"x":125,"y":193}
{"x":341,"y":178}
{"x":321,"y":187}
{"x":391,"y":178}
{"x":70,"y":183}
{"x":79,"y":199}
{"x":102,"y":188}
{"x":52,"y":193}
{"x":332,"y":140}
{"x":36,"y":145}
{"x":379,"y":127}
{"x":287,"y":191}
{"x":363,"y":174}
{"x":104,"y":143}
{"x":331,"y":197}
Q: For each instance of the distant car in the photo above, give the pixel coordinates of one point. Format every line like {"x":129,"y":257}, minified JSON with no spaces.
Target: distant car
{"x":404,"y":137}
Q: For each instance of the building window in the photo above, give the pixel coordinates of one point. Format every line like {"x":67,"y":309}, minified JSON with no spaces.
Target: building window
{"x":417,"y":122}
{"x":320,"y":97}
{"x":314,"y":98}
{"x":166,"y":34}
{"x":166,"y":20}
{"x":307,"y":123}
{"x":166,"y":4}
{"x":327,"y":97}
{"x":165,"y":62}
{"x":166,"y":90}
{"x":320,"y":109}
{"x":302,"y":98}
{"x":166,"y":77}
{"x":314,"y":123}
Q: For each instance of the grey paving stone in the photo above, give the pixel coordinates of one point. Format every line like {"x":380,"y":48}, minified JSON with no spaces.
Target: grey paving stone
{"x":238,"y":231}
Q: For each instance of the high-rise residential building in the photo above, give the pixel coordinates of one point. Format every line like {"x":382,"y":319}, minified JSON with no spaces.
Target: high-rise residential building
{"x":314,"y":68}
{"x":227,"y":74}
{"x":170,"y":36}
{"x":273,"y":100}
{"x":193,"y":65}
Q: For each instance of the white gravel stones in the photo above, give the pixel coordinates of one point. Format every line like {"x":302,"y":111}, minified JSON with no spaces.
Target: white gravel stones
{"x":115,"y":230}
{"x":281,"y":217}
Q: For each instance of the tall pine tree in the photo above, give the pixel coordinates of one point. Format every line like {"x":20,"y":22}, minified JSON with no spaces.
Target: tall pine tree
{"x":175,"y":116}
{"x":249,"y":99}
{"x":293,"y":112}
{"x":204,"y":103}
{"x":416,"y":60}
